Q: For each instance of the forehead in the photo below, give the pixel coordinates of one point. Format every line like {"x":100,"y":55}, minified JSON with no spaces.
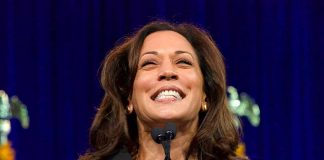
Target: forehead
{"x":166,"y":41}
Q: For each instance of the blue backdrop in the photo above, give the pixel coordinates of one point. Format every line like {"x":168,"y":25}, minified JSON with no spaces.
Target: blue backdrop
{"x":50,"y":52}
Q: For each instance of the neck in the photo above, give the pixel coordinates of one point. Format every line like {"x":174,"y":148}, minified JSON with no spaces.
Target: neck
{"x":149,"y":149}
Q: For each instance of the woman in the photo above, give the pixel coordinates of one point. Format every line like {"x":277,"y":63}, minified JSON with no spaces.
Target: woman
{"x":164,"y":73}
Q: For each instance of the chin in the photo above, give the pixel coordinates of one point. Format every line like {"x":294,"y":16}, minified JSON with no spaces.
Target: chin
{"x":169,"y":117}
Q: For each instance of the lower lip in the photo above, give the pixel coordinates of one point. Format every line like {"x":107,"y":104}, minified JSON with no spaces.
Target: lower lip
{"x":167,"y":100}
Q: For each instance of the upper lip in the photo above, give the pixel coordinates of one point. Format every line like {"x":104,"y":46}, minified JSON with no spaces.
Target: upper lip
{"x":168,"y":88}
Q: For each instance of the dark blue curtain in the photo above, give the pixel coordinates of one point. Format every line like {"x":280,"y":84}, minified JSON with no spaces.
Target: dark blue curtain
{"x":50,"y":52}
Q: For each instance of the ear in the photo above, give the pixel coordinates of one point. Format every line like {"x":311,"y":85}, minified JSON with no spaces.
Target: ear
{"x":204,"y":97}
{"x":129,"y":99}
{"x":130,"y":108}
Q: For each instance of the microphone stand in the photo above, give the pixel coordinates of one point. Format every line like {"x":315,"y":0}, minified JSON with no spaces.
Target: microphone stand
{"x":164,"y":137}
{"x":166,"y":146}
{"x":170,"y":132}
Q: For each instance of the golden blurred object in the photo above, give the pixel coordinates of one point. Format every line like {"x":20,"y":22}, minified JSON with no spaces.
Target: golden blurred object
{"x":240,"y":151}
{"x":6,"y":152}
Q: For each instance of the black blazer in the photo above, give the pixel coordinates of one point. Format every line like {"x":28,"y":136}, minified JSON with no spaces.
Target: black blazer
{"x":121,"y":155}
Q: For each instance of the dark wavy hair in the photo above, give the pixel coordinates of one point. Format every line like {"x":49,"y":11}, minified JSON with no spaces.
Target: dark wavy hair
{"x":112,"y":129}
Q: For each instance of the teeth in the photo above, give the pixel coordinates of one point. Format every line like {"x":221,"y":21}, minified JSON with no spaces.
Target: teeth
{"x":168,"y":94}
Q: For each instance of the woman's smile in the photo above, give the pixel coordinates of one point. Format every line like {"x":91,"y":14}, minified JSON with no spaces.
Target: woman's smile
{"x":168,"y":94}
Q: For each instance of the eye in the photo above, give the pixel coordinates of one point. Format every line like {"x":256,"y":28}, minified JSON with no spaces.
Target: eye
{"x":147,"y":62}
{"x":184,"y":61}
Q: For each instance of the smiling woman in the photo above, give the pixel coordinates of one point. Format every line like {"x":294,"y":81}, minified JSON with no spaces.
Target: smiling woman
{"x":164,"y":73}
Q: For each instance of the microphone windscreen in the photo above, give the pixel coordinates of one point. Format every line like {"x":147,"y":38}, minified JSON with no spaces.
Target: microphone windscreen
{"x":157,"y":135}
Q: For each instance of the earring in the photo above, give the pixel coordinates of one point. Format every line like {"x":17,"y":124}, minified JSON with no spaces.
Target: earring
{"x":204,"y":106}
{"x":129,"y":109}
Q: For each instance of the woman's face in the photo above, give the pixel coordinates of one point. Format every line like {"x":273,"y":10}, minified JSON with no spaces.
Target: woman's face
{"x":168,"y":85}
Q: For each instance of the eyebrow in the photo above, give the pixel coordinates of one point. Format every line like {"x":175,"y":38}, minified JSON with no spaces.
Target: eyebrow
{"x":176,"y":52}
{"x":149,"y":52}
{"x":180,"y":52}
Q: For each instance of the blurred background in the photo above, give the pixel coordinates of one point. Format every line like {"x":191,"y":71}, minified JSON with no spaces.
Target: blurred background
{"x":51,"y":50}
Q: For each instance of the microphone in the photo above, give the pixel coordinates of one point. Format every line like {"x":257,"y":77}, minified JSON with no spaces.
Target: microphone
{"x":158,"y":135}
{"x":165,"y":136}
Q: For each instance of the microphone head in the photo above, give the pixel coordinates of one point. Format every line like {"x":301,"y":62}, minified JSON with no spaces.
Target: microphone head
{"x":158,"y":135}
{"x":170,"y":130}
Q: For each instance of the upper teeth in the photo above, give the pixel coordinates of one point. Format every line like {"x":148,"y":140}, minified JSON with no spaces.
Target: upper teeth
{"x":168,"y":94}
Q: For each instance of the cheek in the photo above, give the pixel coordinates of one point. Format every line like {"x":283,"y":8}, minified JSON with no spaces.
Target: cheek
{"x":194,"y":80}
{"x":142,"y":81}
{"x":142,"y":85}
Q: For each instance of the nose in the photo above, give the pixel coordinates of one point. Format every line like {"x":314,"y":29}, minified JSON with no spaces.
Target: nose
{"x":167,"y":72}
{"x":168,"y":76}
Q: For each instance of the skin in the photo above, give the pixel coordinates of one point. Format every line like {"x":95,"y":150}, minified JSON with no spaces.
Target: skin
{"x":167,"y":62}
